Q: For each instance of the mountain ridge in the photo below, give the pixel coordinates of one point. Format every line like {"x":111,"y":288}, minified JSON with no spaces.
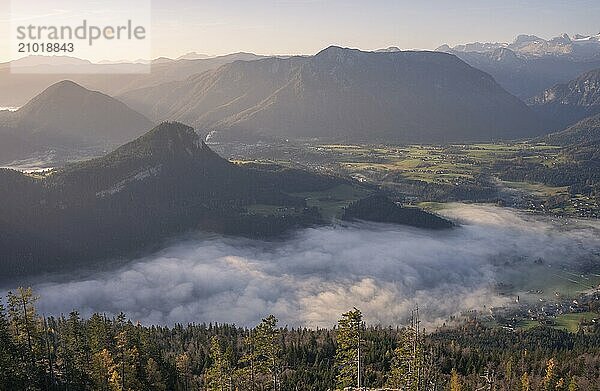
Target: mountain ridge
{"x":340,"y":93}
{"x":67,"y":115}
{"x":110,"y":78}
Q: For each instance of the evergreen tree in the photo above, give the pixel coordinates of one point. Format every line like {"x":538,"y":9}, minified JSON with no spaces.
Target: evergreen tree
{"x":111,"y":354}
{"x":219,"y":377}
{"x":24,"y":318}
{"x":508,"y":373}
{"x":184,"y":370}
{"x":127,"y":362}
{"x":24,"y":327}
{"x":348,"y":355}
{"x":11,"y":375}
{"x":408,"y":364}
{"x":73,"y":352}
{"x":262,"y":362}
{"x":154,"y":377}
{"x":104,"y":371}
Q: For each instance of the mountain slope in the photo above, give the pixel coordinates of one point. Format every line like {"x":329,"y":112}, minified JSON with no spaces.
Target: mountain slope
{"x":68,"y":115}
{"x":164,"y":183}
{"x":344,"y":94}
{"x":584,"y":131}
{"x":565,"y":104}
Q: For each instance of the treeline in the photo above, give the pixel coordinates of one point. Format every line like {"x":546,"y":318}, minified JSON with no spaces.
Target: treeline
{"x":114,"y":354}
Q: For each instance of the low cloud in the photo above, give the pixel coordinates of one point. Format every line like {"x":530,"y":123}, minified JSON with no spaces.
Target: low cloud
{"x":311,"y":278}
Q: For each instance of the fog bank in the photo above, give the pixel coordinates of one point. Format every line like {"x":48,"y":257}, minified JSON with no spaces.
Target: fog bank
{"x":311,"y":278}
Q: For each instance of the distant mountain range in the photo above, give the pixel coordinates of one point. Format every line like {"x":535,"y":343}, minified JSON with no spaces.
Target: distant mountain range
{"x":338,"y":94}
{"x":343,"y":94}
{"x":524,"y":67}
{"x":110,"y":78}
{"x":564,"y":104}
{"x":193,"y":56}
{"x":580,"y":47}
{"x":67,"y":115}
{"x":531,"y":64}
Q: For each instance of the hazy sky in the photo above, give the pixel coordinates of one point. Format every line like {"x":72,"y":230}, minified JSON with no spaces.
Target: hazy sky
{"x":306,"y":26}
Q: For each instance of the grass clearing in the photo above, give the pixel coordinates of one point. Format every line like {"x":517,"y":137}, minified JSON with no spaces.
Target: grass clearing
{"x":536,"y":188}
{"x":570,"y":322}
{"x":270,"y":210}
{"x":331,"y":202}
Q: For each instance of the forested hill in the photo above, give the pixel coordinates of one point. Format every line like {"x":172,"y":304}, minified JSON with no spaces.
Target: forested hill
{"x":381,"y":209}
{"x":585,"y":131}
{"x":163,"y":183}
{"x":102,"y":353}
{"x":67,"y":116}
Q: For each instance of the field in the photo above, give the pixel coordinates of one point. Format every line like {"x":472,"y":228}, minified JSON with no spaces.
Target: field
{"x":429,"y":173}
{"x":567,"y":322}
{"x":430,"y":163}
{"x":331,"y":203}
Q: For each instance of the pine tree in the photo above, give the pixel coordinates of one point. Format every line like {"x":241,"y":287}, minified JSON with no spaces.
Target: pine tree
{"x":219,"y":377}
{"x":104,"y":371}
{"x":24,"y":325}
{"x":262,"y":362}
{"x":73,"y":352}
{"x":23,"y":317}
{"x":11,"y":376}
{"x":348,"y":355}
{"x":508,"y":373}
{"x":408,"y":364}
{"x":400,"y":373}
{"x":154,"y":377}
{"x":99,"y":334}
{"x":184,"y":370}
{"x":267,"y":339}
{"x":127,"y":362}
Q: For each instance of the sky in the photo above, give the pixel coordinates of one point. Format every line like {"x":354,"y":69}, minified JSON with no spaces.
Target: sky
{"x":307,"y":26}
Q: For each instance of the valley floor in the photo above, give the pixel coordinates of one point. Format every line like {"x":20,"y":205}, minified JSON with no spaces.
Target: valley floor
{"x":431,"y":173}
